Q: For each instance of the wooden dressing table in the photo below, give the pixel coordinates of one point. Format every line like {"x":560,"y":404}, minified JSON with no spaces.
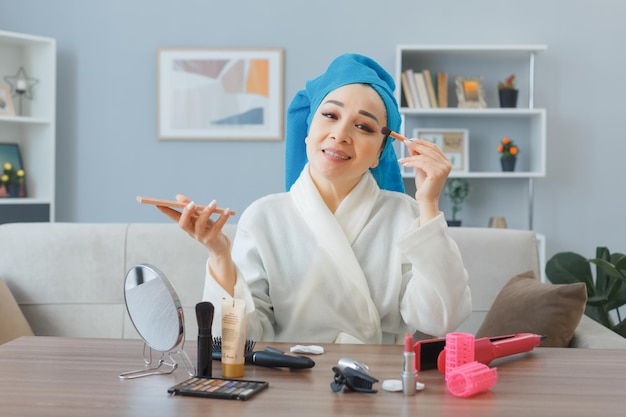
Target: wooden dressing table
{"x":52,"y":376}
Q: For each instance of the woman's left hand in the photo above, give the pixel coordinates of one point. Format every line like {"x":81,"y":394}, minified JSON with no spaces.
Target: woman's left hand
{"x":432,"y":168}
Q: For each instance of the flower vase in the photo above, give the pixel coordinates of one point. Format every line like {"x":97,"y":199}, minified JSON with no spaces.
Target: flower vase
{"x":508,"y":164}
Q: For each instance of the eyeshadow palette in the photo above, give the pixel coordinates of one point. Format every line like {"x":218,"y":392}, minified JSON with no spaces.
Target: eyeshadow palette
{"x":229,"y":389}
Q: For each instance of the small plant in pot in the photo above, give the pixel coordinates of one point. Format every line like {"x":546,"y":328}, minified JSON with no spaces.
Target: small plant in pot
{"x":508,"y":154}
{"x":457,"y":190}
{"x":11,"y":181}
{"x":606,"y":293}
{"x":507,"y":92}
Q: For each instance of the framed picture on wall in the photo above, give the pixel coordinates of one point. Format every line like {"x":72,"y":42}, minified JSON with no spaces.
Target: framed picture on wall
{"x":6,"y":101}
{"x":453,"y":142}
{"x":220,"y":94}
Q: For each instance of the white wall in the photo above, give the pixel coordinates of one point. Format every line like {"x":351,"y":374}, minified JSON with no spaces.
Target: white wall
{"x":106,"y":109}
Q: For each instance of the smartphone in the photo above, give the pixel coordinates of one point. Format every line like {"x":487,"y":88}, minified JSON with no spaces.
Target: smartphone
{"x":427,"y":353}
{"x":175,"y":204}
{"x":222,"y":388}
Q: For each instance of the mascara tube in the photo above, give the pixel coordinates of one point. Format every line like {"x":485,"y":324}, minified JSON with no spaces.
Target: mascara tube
{"x":409,"y":374}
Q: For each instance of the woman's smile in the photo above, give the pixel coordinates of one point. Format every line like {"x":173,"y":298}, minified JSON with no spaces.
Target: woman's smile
{"x":336,"y":154}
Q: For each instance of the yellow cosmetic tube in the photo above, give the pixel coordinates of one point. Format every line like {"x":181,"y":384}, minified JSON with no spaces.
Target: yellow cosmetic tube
{"x":233,"y":337}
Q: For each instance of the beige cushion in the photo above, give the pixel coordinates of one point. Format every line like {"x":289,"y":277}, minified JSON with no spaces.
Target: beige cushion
{"x":526,"y":305}
{"x":12,"y":321}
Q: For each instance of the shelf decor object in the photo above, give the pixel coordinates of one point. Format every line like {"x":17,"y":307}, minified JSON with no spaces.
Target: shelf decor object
{"x":220,"y":94}
{"x":498,"y":222}
{"x":507,"y":93}
{"x":470,"y":92}
{"x":21,"y":86}
{"x":6,"y":101}
{"x":457,"y":190}
{"x":453,"y":142}
{"x":508,"y":154}
{"x":12,"y":175}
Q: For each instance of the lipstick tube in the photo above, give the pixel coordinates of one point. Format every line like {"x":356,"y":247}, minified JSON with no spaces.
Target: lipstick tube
{"x":409,"y":374}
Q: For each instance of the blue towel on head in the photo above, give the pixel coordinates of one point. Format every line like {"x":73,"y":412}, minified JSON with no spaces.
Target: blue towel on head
{"x":345,"y":69}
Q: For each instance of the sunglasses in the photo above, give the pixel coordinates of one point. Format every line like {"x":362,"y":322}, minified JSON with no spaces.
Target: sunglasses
{"x":352,"y":380}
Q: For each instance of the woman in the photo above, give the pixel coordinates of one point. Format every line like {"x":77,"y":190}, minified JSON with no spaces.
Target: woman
{"x":340,"y":257}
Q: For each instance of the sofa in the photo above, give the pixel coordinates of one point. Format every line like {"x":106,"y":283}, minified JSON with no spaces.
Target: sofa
{"x":67,"y":279}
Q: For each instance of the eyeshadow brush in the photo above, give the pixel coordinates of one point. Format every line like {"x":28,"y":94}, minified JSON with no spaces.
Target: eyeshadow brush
{"x":204,"y":315}
{"x":388,"y":132}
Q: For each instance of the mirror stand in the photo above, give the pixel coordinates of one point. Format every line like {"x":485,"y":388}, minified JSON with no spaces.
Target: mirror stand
{"x":157,"y":315}
{"x":169,"y":367}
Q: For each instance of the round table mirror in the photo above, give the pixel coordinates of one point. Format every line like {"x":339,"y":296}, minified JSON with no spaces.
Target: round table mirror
{"x":156,"y":313}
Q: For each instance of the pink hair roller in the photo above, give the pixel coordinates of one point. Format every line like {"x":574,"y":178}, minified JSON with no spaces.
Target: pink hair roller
{"x":471,"y":378}
{"x":459,"y":350}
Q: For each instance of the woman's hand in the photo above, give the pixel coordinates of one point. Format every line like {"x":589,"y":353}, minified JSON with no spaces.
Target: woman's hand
{"x":200,"y":226}
{"x":432,"y":168}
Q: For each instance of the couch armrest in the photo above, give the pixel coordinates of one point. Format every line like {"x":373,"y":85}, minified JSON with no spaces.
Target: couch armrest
{"x":592,"y":335}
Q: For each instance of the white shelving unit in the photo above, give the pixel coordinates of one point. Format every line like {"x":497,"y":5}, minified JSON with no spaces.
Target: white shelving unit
{"x":34,"y":129}
{"x":525,"y":124}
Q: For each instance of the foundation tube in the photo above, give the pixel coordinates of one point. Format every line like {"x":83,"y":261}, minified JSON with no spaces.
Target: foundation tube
{"x":233,"y":337}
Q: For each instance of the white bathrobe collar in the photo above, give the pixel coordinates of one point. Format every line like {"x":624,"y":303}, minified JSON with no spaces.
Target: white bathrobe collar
{"x":336,"y":233}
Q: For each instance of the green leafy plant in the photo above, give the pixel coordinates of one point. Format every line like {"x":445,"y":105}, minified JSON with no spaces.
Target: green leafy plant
{"x":457,"y":190}
{"x":606,"y":293}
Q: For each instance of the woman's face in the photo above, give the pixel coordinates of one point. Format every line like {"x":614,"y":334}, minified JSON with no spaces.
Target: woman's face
{"x":344,"y":138}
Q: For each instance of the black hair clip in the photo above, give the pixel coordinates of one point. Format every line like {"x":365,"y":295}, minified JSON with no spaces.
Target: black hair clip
{"x":353,"y":379}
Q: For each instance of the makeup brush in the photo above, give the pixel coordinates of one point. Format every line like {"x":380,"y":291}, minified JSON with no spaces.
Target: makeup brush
{"x":388,"y":132}
{"x":204,"y":314}
{"x":269,"y":358}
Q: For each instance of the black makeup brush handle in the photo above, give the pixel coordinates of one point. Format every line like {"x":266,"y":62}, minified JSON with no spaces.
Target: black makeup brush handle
{"x":204,"y":315}
{"x":278,"y":360}
{"x":205,"y":349}
{"x":268,"y":358}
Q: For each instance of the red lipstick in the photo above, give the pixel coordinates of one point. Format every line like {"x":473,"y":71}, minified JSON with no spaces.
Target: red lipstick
{"x":409,"y":374}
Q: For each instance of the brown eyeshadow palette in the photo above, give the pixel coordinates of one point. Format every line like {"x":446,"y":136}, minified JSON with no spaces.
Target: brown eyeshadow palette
{"x":228,"y":389}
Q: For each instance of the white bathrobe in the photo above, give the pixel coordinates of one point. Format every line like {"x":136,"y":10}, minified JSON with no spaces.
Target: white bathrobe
{"x":369,"y":273}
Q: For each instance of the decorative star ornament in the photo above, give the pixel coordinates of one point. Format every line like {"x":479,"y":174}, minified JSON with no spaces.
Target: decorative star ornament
{"x":21,"y":84}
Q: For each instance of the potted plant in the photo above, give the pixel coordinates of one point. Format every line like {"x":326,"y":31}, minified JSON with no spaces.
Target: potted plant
{"x":508,"y":154}
{"x":606,"y":293}
{"x":507,"y":92}
{"x":11,"y":181}
{"x":457,"y":190}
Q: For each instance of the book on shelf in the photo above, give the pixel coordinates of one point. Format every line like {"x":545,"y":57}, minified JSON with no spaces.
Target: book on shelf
{"x":410,"y":75}
{"x":430,"y":87}
{"x":406,"y":89}
{"x":422,"y":91}
{"x":442,"y":89}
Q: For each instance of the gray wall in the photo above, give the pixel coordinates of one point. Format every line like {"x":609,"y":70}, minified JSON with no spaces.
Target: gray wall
{"x":106,"y":108}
